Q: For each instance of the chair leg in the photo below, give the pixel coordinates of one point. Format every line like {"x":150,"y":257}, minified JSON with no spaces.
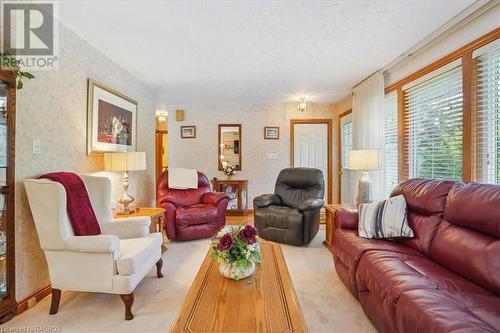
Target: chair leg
{"x":128,"y":300}
{"x":159,"y":265}
{"x":56,"y":298}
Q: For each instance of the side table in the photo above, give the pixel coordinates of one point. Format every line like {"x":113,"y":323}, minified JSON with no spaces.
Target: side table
{"x":330,"y":222}
{"x":156,"y":215}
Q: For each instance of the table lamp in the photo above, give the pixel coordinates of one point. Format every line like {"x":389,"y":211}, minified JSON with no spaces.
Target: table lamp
{"x":125,"y":162}
{"x":364,"y":161}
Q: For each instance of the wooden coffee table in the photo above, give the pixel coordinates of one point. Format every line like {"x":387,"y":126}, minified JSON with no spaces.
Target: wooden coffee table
{"x":263,"y":302}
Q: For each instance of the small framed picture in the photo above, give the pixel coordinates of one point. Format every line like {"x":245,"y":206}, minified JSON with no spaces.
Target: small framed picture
{"x":271,"y":133}
{"x":188,"y":132}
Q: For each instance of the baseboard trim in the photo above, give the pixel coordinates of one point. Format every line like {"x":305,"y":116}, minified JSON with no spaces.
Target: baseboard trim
{"x":39,"y":295}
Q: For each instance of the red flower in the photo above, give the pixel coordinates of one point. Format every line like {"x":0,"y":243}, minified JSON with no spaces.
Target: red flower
{"x":248,"y":233}
{"x":225,"y":242}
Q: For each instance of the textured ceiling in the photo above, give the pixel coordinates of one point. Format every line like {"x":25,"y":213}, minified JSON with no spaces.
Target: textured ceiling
{"x":193,"y":52}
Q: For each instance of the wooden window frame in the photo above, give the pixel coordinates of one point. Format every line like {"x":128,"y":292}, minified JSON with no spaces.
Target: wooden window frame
{"x":465,"y":54}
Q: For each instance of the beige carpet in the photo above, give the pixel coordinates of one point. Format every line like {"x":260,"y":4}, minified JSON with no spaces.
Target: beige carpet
{"x":326,"y":303}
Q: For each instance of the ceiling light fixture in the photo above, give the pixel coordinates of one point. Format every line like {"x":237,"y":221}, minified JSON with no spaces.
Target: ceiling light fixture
{"x":302,"y":104}
{"x":162,"y":116}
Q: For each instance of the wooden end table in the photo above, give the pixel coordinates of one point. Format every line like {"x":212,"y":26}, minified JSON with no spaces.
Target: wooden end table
{"x":156,"y":215}
{"x":330,"y":222}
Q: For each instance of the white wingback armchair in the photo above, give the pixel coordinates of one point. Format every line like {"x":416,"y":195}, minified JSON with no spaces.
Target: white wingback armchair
{"x":113,"y":262}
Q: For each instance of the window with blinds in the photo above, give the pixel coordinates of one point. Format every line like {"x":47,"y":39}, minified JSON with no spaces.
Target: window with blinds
{"x":391,"y":142}
{"x":486,"y":115}
{"x":434,"y":126}
{"x":346,"y":144}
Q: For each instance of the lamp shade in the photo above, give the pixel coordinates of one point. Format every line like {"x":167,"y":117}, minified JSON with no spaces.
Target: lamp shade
{"x":363,"y":160}
{"x":129,"y":161}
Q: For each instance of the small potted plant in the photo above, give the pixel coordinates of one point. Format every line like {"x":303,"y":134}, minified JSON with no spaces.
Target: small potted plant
{"x":237,"y":250}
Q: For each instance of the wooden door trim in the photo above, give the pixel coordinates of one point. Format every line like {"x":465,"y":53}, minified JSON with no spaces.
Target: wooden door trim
{"x":328,"y":122}
{"x":339,"y":152}
{"x":159,"y":151}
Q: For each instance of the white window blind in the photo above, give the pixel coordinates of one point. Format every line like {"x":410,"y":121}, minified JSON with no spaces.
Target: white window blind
{"x":346,"y":144}
{"x":486,"y":119}
{"x":391,"y":142}
{"x":434,"y":126}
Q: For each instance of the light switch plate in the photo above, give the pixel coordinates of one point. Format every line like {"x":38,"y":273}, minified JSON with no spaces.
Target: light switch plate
{"x":37,"y":147}
{"x":272,"y":156}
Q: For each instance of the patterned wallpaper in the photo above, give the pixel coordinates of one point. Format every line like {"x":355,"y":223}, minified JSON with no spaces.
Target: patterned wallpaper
{"x":53,"y":109}
{"x":261,"y":173}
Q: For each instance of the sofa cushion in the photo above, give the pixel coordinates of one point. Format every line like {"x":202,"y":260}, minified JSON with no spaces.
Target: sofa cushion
{"x":485,"y":200}
{"x":471,"y":254}
{"x":424,"y":227}
{"x":136,"y":251}
{"x":446,"y":311}
{"x":348,"y":248}
{"x":196,"y":214}
{"x":388,"y":274}
{"x":424,"y":196}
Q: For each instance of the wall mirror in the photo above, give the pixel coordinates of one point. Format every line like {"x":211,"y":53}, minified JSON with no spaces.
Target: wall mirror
{"x":230,"y":146}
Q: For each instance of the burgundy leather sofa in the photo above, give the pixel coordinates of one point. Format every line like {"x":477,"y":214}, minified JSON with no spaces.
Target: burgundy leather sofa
{"x":446,"y":278}
{"x":192,"y":213}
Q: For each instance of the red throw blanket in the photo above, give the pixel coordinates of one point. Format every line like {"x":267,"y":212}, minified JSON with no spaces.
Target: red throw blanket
{"x":80,"y":211}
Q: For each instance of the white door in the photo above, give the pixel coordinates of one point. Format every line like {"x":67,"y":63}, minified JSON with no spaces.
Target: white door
{"x":345,"y":145}
{"x":310,"y":148}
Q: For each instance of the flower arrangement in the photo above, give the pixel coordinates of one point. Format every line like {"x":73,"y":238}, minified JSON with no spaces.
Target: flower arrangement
{"x":237,"y":250}
{"x":228,"y":170}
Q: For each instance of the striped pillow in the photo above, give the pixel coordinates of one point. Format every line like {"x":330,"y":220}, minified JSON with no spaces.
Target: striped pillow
{"x":384,"y":219}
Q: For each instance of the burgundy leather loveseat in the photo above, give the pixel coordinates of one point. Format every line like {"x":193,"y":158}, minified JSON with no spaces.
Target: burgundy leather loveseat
{"x":446,"y":279}
{"x":192,"y":213}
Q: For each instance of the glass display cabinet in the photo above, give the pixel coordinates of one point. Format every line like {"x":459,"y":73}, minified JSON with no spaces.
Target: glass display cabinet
{"x":7,"y":122}
{"x":237,"y":191}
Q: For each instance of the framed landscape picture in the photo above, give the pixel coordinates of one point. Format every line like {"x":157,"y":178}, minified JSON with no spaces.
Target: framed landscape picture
{"x":188,"y":132}
{"x":271,"y":133}
{"x":111,"y":120}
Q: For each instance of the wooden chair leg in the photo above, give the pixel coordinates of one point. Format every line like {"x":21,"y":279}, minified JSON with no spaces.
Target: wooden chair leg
{"x":159,"y":265}
{"x":128,"y":300}
{"x":56,"y":298}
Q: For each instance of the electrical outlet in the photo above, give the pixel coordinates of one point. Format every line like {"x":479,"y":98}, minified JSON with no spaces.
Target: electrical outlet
{"x":37,"y":147}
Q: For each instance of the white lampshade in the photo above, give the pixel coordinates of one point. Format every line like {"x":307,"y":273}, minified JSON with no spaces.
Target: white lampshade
{"x":129,"y":161}
{"x":363,"y":160}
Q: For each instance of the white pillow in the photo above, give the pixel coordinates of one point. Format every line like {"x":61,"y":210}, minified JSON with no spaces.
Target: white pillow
{"x":384,"y":219}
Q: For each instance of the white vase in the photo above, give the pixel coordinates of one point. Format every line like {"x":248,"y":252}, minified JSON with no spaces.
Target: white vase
{"x":234,"y":272}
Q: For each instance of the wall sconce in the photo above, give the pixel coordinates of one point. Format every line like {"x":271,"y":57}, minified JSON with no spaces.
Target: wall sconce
{"x":302,"y":104}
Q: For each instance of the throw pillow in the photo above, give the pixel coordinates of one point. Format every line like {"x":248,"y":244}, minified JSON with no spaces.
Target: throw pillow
{"x":384,"y":220}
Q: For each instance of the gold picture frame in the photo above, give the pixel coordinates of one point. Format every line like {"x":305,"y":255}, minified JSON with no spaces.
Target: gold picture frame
{"x":111,"y":120}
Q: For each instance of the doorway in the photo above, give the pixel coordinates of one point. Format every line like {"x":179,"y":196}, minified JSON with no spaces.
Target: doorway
{"x":161,"y":152}
{"x":311,"y":146}
{"x":345,"y":143}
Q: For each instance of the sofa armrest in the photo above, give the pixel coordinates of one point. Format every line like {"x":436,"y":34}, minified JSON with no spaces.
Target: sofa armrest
{"x":311,"y":204}
{"x":95,"y":244}
{"x":127,"y":227}
{"x":213,"y":198}
{"x":170,"y":199}
{"x":266,"y":200}
{"x":346,"y":219}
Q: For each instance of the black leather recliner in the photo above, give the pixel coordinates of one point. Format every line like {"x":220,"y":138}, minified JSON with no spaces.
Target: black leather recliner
{"x":291,"y":214}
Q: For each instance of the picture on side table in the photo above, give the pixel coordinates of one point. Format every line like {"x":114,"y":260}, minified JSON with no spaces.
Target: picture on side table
{"x":271,"y":133}
{"x":188,"y":132}
{"x":111,"y":120}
